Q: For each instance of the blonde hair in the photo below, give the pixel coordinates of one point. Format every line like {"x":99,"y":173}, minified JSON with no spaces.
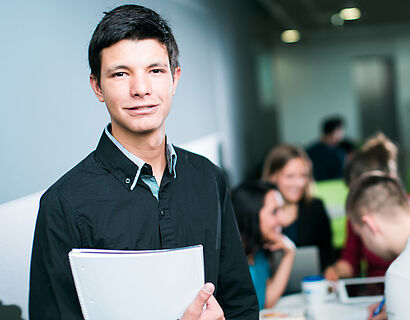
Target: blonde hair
{"x":378,"y":153}
{"x":277,"y":159}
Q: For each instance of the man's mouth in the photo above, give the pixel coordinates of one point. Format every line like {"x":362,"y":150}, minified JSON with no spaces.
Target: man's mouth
{"x":142,"y":107}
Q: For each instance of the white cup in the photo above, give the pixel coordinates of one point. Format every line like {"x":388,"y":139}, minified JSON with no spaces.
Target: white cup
{"x":316,"y":289}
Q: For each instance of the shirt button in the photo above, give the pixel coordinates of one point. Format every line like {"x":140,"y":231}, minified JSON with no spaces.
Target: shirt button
{"x":127,"y":180}
{"x":162,"y":212}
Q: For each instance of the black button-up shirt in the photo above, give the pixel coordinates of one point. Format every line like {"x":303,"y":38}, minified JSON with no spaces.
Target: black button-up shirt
{"x":94,"y":206}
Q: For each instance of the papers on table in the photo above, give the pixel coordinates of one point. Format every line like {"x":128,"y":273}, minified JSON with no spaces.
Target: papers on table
{"x":122,"y":284}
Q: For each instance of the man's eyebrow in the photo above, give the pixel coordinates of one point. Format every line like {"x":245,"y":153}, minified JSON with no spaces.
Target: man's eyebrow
{"x":152,"y":65}
{"x":116,"y":67}
{"x":158,"y":64}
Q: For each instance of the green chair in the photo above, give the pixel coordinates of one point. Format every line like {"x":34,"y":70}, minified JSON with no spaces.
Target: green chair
{"x":334,"y":193}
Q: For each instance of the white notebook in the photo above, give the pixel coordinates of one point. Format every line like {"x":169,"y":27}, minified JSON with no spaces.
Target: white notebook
{"x":122,"y":284}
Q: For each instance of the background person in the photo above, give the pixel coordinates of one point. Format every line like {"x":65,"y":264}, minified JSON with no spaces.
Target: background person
{"x":327,"y":156}
{"x":379,"y":211}
{"x":377,"y":154}
{"x":306,"y":221}
{"x":137,"y":191}
{"x":258,"y":208}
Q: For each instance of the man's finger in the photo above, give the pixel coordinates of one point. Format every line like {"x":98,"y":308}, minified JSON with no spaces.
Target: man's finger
{"x":203,"y":296}
{"x":213,"y":309}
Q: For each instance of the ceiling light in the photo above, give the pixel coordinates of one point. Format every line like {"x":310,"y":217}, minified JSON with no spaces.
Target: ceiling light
{"x":350,"y":14}
{"x":337,"y":20}
{"x":290,"y":36}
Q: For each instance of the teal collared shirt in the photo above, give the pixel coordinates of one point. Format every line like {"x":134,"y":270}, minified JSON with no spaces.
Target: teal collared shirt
{"x":148,"y":179}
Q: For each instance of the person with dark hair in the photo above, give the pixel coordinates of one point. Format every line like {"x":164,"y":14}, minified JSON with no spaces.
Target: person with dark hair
{"x":327,"y":156}
{"x":379,"y":211}
{"x":377,"y":154}
{"x":258,"y":209}
{"x":137,"y":191}
{"x":306,"y":221}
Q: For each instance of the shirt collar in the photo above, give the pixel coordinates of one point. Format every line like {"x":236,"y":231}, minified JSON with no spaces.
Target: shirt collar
{"x":170,"y":155}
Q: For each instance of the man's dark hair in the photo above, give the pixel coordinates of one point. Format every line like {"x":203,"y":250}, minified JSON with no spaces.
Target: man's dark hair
{"x":130,"y":22}
{"x":247,"y":201}
{"x":330,"y":125}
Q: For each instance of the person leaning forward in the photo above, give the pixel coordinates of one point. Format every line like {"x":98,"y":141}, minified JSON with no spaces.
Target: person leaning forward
{"x":136,"y":190}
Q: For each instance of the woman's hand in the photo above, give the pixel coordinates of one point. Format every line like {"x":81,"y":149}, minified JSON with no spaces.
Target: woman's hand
{"x":280,"y":242}
{"x":331,"y":273}
{"x":275,"y":286}
{"x":340,"y":269}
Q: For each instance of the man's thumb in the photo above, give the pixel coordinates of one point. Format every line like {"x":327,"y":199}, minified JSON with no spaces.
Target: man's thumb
{"x":203,"y":295}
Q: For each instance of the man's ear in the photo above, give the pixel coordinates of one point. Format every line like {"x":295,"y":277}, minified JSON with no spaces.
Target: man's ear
{"x":96,"y":88}
{"x":371,"y":223}
{"x":175,"y":79}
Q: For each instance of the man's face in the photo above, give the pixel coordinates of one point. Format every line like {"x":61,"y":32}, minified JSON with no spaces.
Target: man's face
{"x":373,"y":240}
{"x":137,"y":86}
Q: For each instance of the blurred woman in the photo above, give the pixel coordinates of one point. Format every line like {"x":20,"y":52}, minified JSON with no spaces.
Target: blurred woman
{"x":306,"y":221}
{"x":270,"y":254}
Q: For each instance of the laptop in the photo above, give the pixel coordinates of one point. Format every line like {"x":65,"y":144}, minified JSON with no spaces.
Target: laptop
{"x":306,"y":263}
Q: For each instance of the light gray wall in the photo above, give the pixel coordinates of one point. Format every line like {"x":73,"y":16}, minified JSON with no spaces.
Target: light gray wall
{"x":315,"y":79}
{"x":51,"y":119}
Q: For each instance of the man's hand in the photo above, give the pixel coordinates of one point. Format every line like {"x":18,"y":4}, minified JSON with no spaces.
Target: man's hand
{"x":381,"y":316}
{"x":196,"y":310}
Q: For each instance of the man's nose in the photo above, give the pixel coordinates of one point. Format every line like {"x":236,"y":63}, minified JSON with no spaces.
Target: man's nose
{"x":140,"y":86}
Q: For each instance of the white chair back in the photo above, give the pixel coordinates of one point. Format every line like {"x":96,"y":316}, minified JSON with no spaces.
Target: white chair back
{"x":17,"y":223}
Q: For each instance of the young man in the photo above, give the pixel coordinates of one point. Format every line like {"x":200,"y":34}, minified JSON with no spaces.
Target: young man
{"x":380,"y":213}
{"x":137,"y":191}
{"x":326,"y":154}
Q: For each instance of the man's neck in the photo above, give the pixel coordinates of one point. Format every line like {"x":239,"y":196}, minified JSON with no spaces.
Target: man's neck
{"x":403,"y":237}
{"x":328,"y":140}
{"x":400,"y":234}
{"x":149,"y":147}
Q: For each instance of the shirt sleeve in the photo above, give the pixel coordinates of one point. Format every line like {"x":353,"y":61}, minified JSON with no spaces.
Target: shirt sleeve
{"x":352,"y":250}
{"x":52,"y":292}
{"x":235,"y":293}
{"x":397,"y":297}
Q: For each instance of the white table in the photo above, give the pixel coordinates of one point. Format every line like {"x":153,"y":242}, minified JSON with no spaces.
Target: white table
{"x":295,"y":304}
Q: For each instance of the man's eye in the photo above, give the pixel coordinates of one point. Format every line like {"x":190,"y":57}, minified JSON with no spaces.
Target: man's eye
{"x":157,"y":71}
{"x":119,"y":74}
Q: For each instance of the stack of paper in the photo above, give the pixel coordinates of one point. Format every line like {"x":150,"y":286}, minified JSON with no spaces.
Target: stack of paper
{"x":121,"y":284}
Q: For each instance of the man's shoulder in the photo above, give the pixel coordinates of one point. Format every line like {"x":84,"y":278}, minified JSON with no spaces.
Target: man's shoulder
{"x":194,"y":167}
{"x":75,"y":177}
{"x":317,"y":146}
{"x":195,"y":160}
{"x":401,"y":265}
